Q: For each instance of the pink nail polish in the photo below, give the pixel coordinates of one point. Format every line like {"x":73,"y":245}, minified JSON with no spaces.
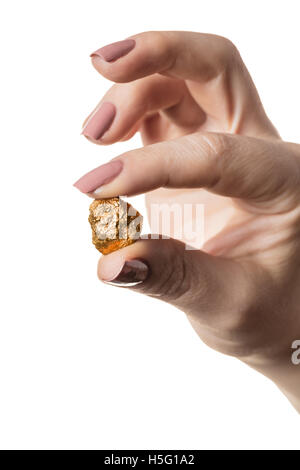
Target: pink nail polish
{"x":132,"y":273}
{"x":100,"y":121}
{"x":99,"y":176}
{"x":115,"y":50}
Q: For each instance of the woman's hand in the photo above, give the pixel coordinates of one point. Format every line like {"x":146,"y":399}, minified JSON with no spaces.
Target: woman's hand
{"x":207,"y":141}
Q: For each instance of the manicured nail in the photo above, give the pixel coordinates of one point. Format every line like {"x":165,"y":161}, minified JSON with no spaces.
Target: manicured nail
{"x":100,"y":121}
{"x":133,"y":272}
{"x":115,"y":50}
{"x":99,"y":176}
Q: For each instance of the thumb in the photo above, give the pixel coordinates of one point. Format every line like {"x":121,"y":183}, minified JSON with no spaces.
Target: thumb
{"x":191,"y":280}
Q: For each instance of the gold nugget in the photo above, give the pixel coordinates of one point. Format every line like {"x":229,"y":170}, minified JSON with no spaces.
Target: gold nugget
{"x":115,"y":224}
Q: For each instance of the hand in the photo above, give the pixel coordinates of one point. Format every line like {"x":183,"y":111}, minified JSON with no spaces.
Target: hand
{"x":207,"y":140}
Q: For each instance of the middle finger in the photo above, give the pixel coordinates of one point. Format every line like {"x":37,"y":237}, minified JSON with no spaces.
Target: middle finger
{"x":124,"y":107}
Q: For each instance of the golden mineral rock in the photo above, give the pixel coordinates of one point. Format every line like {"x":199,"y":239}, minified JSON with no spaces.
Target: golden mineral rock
{"x":115,"y":224}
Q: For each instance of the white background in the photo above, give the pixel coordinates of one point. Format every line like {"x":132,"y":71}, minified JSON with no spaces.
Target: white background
{"x":84,"y":365}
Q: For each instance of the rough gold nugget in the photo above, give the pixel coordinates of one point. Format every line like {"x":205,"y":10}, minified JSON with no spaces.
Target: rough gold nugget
{"x":115,"y":224}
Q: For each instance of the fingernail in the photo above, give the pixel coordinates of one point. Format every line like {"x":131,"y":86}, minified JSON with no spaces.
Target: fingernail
{"x":100,"y":121}
{"x":115,"y":50}
{"x":133,"y":272}
{"x":99,"y":176}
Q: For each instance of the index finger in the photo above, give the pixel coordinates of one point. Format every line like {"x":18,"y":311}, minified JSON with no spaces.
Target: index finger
{"x":233,"y":166}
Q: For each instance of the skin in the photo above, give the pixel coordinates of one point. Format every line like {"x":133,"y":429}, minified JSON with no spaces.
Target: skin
{"x":208,"y":140}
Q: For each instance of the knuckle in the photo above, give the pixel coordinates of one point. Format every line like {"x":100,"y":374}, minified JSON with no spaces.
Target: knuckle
{"x":161,"y":47}
{"x":225,"y":55}
{"x":174,"y":281}
{"x":136,"y":93}
{"x":214,"y":148}
{"x":227,"y":51}
{"x":157,"y":40}
{"x":175,"y":285}
{"x":216,"y":144}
